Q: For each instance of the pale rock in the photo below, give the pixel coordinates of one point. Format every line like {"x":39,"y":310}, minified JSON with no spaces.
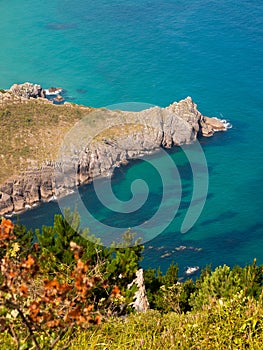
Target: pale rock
{"x":140,"y":303}
{"x":27,"y":90}
{"x":210,"y":125}
{"x":6,"y":203}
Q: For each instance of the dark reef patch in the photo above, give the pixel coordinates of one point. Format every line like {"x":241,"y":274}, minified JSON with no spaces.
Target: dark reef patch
{"x":61,"y":26}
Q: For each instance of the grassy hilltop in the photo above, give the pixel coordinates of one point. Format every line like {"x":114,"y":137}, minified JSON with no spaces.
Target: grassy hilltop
{"x":32,"y":131}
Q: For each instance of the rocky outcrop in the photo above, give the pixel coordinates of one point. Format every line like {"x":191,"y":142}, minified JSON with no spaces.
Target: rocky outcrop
{"x":210,"y":125}
{"x":26,"y":190}
{"x":27,"y":90}
{"x":23,"y":93}
{"x":103,"y":141}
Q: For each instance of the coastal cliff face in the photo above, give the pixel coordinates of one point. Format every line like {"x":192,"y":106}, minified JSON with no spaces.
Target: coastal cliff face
{"x":100,"y":142}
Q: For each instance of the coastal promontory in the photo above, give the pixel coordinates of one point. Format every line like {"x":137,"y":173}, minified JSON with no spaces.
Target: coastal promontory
{"x":34,"y":130}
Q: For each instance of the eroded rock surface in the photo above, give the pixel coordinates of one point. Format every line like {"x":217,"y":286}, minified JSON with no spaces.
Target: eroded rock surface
{"x":210,"y":125}
{"x":27,"y":90}
{"x":101,"y":142}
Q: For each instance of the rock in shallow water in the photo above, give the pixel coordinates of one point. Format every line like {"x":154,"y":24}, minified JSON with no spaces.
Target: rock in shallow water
{"x":210,"y":125}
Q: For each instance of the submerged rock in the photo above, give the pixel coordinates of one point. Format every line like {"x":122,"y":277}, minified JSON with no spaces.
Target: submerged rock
{"x":59,"y":98}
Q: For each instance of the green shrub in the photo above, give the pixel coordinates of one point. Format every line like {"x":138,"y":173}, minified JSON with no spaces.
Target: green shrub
{"x":57,"y":283}
{"x":224,"y":283}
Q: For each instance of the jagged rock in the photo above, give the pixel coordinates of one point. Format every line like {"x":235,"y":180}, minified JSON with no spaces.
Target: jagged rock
{"x":55,"y":90}
{"x":19,"y":202}
{"x":7,"y":188}
{"x":6,"y":203}
{"x":215,"y":123}
{"x":31,"y":190}
{"x":47,"y":183}
{"x":210,"y":125}
{"x":27,"y":90}
{"x":28,"y":189}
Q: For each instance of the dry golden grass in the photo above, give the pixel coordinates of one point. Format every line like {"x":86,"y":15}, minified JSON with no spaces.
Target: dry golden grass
{"x":32,"y":132}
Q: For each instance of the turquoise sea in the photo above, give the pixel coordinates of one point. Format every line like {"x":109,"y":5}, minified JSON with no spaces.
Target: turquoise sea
{"x":157,"y":52}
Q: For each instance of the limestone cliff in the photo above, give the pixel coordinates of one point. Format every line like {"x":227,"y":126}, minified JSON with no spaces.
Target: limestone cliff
{"x":100,"y":142}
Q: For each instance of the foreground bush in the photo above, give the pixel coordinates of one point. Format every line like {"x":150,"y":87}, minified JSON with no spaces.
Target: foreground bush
{"x":234,"y":324}
{"x":67,"y":292}
{"x":42,"y":298}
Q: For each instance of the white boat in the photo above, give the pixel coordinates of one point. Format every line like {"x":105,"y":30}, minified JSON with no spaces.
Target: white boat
{"x":191,"y":270}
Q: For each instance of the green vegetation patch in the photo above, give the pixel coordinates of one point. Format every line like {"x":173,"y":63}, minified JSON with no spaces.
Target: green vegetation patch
{"x":60,"y":289}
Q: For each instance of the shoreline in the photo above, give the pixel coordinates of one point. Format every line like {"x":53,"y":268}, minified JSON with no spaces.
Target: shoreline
{"x":104,"y":140}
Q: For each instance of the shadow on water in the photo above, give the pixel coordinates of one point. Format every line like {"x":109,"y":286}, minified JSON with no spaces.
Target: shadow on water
{"x":220,"y":218}
{"x":81,"y":91}
{"x":61,"y":26}
{"x":119,"y":220}
{"x":185,"y":204}
{"x":38,"y":216}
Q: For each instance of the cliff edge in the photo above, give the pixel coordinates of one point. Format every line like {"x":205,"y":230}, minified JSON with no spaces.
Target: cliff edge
{"x":80,"y":143}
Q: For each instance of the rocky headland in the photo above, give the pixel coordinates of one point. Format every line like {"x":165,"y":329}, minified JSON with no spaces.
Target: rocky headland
{"x":88,"y":142}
